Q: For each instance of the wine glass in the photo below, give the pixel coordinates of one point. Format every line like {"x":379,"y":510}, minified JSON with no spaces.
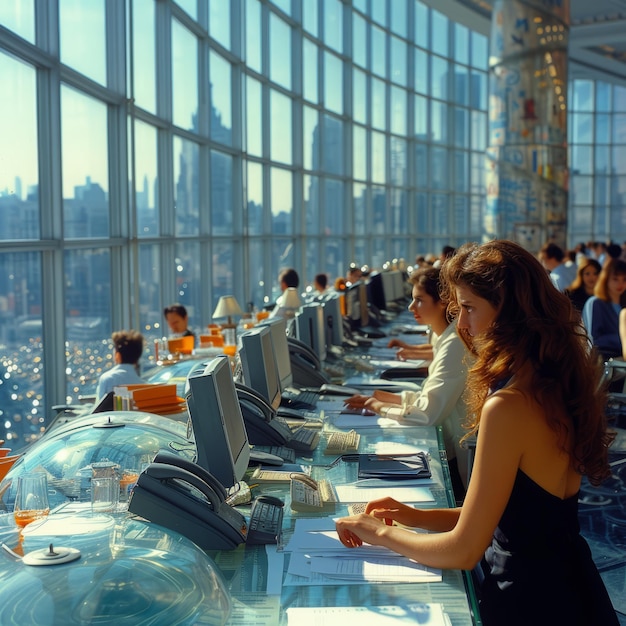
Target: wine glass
{"x":31,"y":499}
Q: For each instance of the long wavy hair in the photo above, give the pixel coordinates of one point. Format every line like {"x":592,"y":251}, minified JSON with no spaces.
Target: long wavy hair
{"x":534,"y":323}
{"x":579,"y":282}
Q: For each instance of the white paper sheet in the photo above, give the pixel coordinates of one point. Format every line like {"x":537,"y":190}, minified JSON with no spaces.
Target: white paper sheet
{"x":418,"y":613}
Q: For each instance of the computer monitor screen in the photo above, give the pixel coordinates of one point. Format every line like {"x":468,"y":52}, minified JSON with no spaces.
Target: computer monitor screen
{"x":218,"y":427}
{"x":310,"y":328}
{"x":398,"y":280}
{"x":376,"y":291}
{"x":389,"y":288}
{"x":278,"y":332}
{"x":258,"y":364}
{"x":333,"y":321}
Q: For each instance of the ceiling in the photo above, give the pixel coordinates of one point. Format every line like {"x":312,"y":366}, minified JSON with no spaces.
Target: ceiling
{"x":597,"y":36}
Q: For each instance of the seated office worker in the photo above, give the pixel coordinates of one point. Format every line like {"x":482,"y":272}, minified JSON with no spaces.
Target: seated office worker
{"x":540,"y":425}
{"x":601,"y":311}
{"x":127,"y":349}
{"x":288,"y":277}
{"x":177,"y":320}
{"x":440,"y":401}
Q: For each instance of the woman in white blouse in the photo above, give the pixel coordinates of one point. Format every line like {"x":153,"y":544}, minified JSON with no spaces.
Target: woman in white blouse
{"x":440,"y":399}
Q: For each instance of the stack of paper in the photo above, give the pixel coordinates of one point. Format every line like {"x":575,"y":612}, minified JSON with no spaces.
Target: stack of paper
{"x":430,"y":614}
{"x":319,"y":558}
{"x":160,"y":398}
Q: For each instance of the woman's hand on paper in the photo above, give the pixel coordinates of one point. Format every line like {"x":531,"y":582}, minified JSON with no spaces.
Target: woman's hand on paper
{"x":355,"y":530}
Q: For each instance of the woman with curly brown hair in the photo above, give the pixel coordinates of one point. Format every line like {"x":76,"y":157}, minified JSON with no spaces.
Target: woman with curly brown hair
{"x":538,"y":416}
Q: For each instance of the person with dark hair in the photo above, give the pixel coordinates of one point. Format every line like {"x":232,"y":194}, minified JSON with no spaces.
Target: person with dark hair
{"x":177,"y":320}
{"x":601,"y":312}
{"x":586,"y":278}
{"x":552,"y":257}
{"x":127,"y":350}
{"x":287,"y":278}
{"x":320,"y":283}
{"x":440,"y":401}
{"x":537,"y":409}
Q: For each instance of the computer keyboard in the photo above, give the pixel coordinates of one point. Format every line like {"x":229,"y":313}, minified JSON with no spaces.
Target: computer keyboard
{"x":304,"y":439}
{"x":305,"y":398}
{"x":288,"y":455}
{"x":266,"y":521}
{"x":340,"y":442}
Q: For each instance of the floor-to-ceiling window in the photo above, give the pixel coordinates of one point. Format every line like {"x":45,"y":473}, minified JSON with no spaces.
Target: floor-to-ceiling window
{"x":156,"y":151}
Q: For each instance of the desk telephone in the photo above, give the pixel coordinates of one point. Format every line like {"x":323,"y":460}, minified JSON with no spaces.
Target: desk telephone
{"x":184,"y":497}
{"x":306,"y":367}
{"x":263,"y":426}
{"x":309,"y":495}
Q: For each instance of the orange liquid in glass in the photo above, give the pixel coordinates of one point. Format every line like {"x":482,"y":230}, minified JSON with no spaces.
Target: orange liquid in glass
{"x":262,"y":315}
{"x":29,"y":515}
{"x":230,"y":350}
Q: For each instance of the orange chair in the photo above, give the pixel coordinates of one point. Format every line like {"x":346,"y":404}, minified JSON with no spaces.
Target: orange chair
{"x":181,"y":345}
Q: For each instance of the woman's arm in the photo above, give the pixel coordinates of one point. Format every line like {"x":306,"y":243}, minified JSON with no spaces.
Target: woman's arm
{"x":622,"y":331}
{"x":500,"y":444}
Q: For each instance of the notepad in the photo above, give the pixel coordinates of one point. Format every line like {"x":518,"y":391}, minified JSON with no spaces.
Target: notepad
{"x":394,"y":466}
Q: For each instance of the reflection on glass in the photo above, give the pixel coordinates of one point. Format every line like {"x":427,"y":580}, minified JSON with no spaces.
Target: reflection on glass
{"x":309,"y":71}
{"x":333,"y":24}
{"x":439,"y":78}
{"x":144,"y":48}
{"x":85,"y":165}
{"x":461,"y":127}
{"x":310,"y":17}
{"x":421,"y":117}
{"x":184,"y":77}
{"x":280,"y":51}
{"x":379,"y":51}
{"x":379,"y":104}
{"x":222,"y":271}
{"x":461,"y":86}
{"x":253,"y":35}
{"x":359,"y":152}
{"x":422,"y":29}
{"x":439,"y":42}
{"x":310,"y":139}
{"x":479,"y":51}
{"x":190,"y":7}
{"x":439,"y":121}
{"x":399,"y":18}
{"x":281,"y":193}
{"x":398,"y":61}
{"x":21,"y":394}
{"x":19,"y":16}
{"x":460,"y":43}
{"x":334,"y":207}
{"x":583,"y":96}
{"x":83,"y":37}
{"x":359,"y":99}
{"x":379,"y":209}
{"x":421,"y":72}
{"x":311,"y":185}
{"x":186,"y":186}
{"x":88,"y":286}
{"x":438,"y":168}
{"x":219,"y":21}
{"x":398,"y":161}
{"x":221,"y":100}
{"x":379,"y":158}
{"x":359,"y":40}
{"x":280,"y":127}
{"x":333,"y":83}
{"x":254,"y":107}
{"x":399,"y":213}
{"x":398,"y":111}
{"x":151,"y":322}
{"x":332,"y":149}
{"x":19,"y":175}
{"x":333,"y":253}
{"x":188,"y":281}
{"x":282,"y":255}
{"x":460,"y":179}
{"x":221,"y":193}
{"x":439,"y":214}
{"x":359,"y":206}
{"x":421,"y":165}
{"x":254,"y":202}
{"x":146,"y":180}
{"x":256,"y":261}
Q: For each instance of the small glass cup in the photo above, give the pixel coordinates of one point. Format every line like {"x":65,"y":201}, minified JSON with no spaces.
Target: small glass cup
{"x":105,"y":494}
{"x":31,"y":498}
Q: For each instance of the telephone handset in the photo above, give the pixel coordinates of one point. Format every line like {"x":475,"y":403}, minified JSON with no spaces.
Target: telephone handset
{"x":263,"y":426}
{"x":306,"y":368}
{"x":184,"y":497}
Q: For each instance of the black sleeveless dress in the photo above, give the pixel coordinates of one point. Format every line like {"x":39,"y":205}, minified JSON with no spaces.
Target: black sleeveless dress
{"x":538,"y":569}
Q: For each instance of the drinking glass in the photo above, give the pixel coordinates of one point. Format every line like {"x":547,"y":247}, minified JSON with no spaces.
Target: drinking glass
{"x":31,"y":499}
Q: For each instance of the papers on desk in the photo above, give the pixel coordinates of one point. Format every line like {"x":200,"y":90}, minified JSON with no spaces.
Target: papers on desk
{"x":415,"y":613}
{"x":318,"y":557}
{"x":373,"y":488}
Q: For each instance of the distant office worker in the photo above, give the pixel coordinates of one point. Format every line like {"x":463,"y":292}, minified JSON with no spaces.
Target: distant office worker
{"x":287,"y":277}
{"x":127,"y":350}
{"x":177,"y":320}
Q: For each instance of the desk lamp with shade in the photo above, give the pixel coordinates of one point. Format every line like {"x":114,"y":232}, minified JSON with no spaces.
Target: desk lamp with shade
{"x":227,"y":306}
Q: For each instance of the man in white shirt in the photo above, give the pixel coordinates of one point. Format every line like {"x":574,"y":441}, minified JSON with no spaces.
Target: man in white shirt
{"x":127,"y":349}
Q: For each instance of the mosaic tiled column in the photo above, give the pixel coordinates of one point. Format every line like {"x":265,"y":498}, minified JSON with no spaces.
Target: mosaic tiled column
{"x":527,"y":173}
